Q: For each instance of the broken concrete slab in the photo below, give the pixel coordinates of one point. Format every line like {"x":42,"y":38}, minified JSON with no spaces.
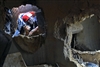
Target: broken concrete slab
{"x":73,"y":26}
{"x":14,"y":60}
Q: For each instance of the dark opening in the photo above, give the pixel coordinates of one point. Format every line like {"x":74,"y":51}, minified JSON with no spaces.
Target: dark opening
{"x":89,"y":38}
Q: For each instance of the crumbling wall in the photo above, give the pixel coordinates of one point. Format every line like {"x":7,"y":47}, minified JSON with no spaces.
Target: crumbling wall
{"x":82,"y":34}
{"x":52,"y":52}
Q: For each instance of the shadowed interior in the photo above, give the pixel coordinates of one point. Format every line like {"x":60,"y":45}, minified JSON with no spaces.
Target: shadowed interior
{"x":89,"y":38}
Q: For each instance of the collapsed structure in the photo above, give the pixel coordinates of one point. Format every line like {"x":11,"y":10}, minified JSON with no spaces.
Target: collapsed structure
{"x":80,"y":32}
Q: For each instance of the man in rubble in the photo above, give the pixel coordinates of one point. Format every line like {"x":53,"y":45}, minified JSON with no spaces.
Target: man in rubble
{"x":27,"y":24}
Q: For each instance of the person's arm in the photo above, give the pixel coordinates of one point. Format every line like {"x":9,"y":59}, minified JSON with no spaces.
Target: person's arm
{"x":20,"y":21}
{"x":33,"y":30}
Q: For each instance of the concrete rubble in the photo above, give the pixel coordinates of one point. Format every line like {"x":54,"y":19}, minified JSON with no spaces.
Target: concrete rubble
{"x":14,"y":60}
{"x":79,"y":31}
{"x":79,"y":48}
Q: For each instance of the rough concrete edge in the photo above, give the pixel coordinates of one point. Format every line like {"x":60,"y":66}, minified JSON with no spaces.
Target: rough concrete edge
{"x":19,"y":54}
{"x":67,"y":43}
{"x":68,"y":51}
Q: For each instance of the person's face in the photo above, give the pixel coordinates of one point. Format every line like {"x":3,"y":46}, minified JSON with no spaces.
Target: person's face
{"x":31,"y":20}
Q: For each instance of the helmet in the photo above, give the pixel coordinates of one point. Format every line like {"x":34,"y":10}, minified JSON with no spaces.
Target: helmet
{"x":25,"y":18}
{"x":32,"y":12}
{"x":27,"y":15}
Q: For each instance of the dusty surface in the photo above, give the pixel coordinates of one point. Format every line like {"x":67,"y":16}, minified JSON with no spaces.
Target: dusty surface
{"x":14,"y":60}
{"x":73,"y":26}
{"x":69,"y":11}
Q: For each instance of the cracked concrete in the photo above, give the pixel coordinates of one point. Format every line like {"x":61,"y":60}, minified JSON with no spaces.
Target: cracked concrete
{"x":73,"y":12}
{"x":75,"y":28}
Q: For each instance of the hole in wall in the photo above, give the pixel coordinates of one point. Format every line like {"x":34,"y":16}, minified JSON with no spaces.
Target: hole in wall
{"x":84,"y":40}
{"x":15,"y":29}
{"x":89,"y":38}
